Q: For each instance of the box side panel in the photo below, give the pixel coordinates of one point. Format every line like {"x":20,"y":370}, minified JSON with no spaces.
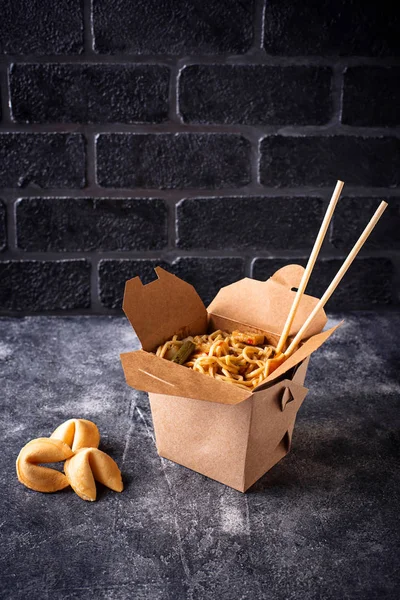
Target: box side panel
{"x":208,"y":438}
{"x":271,"y":420}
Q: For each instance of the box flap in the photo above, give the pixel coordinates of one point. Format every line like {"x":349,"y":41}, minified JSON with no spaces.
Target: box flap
{"x":150,"y":373}
{"x":163,"y":308}
{"x":266,"y":304}
{"x":305,"y":350}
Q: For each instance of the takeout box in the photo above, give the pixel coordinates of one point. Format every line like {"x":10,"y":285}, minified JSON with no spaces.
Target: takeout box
{"x":213,"y":427}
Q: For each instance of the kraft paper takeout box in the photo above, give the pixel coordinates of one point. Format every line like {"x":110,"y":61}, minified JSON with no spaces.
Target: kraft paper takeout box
{"x":213,"y":427}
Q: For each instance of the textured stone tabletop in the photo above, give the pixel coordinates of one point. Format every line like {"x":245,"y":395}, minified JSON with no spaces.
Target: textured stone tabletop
{"x":321,"y":524}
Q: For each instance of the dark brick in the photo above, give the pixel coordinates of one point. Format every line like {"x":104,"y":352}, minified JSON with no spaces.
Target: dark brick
{"x":182,"y":160}
{"x":89,"y":93}
{"x":352,"y":215}
{"x":367,"y":161}
{"x":371,"y":96}
{"x":36,"y":286}
{"x":207,"y":275}
{"x":85,"y":224}
{"x":42,"y":159}
{"x":248,"y":223}
{"x":38,"y":27}
{"x":171,"y":27}
{"x":255,"y":94}
{"x":3,"y":227}
{"x":295,"y":27}
{"x":367,"y":284}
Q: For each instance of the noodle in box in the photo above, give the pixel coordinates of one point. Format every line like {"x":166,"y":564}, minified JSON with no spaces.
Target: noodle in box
{"x":225,"y":383}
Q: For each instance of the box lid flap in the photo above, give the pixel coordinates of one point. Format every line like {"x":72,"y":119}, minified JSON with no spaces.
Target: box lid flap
{"x":150,"y":373}
{"x":163,"y":308}
{"x":301,"y":353}
{"x":266,"y":304}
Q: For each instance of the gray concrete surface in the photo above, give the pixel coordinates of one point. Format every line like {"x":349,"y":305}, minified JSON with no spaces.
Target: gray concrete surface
{"x":321,"y":524}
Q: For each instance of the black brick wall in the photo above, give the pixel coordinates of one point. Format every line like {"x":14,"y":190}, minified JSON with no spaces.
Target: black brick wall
{"x":204,"y":135}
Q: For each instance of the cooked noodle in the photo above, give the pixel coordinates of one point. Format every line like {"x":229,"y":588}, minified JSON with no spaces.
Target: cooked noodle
{"x":225,"y":356}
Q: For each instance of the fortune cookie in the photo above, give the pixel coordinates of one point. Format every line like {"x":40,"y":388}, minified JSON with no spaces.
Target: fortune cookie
{"x":78,"y":433}
{"x":36,"y":477}
{"x":89,"y":465}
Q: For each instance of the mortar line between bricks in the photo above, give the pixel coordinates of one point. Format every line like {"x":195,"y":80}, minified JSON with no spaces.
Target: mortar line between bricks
{"x":337,"y":94}
{"x":327,"y":248}
{"x":87,"y":28}
{"x":259,"y":56}
{"x":258,"y":24}
{"x":90,"y":160}
{"x":255,"y":159}
{"x":251,"y":266}
{"x":6,"y":119}
{"x":95,"y":303}
{"x":11,"y":230}
{"x":10,"y":194}
{"x":173,"y":94}
{"x":172,"y":225}
{"x":247,"y":131}
{"x":172,"y":254}
{"x":248,"y":266}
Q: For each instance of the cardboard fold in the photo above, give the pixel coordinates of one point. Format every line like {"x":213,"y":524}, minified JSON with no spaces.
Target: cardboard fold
{"x":218,"y":429}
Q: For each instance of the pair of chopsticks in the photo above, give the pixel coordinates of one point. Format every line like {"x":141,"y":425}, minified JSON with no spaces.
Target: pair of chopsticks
{"x":310,"y":265}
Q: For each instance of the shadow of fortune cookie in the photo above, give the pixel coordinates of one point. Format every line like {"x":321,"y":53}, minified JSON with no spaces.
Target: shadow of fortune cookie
{"x":78,"y":433}
{"x":89,"y":465}
{"x":36,"y":477}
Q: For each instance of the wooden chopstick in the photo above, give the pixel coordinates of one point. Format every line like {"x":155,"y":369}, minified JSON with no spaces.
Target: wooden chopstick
{"x":338,"y":277}
{"x":310,"y":265}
